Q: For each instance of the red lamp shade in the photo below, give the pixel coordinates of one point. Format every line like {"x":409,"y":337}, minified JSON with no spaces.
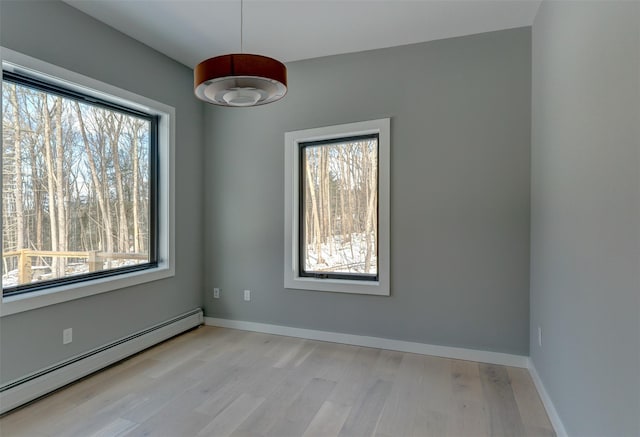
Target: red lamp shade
{"x":240,"y":80}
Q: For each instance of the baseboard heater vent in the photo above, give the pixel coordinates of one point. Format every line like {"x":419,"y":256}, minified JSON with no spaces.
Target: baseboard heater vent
{"x":32,"y":386}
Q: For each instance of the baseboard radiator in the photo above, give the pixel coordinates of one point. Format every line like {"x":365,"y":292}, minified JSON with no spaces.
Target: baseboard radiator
{"x":20,"y":391}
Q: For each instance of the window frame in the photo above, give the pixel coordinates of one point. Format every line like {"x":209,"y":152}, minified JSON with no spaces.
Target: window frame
{"x":24,"y":65}
{"x":302,"y":194}
{"x":294,"y":143}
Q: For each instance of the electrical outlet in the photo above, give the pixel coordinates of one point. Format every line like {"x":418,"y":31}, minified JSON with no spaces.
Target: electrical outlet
{"x":539,"y":336}
{"x":216,"y":293}
{"x":67,"y":336}
{"x":247,"y":295}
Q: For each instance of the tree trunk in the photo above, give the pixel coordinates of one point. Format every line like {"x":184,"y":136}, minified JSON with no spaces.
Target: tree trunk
{"x":115,"y":128}
{"x":314,"y":209}
{"x":371,"y":166}
{"x":37,"y":194}
{"x":17,"y":145}
{"x":138,"y":244}
{"x":106,"y":219}
{"x":343,"y":186}
{"x":51,"y":192}
{"x":327,"y":199}
{"x":60,"y":189}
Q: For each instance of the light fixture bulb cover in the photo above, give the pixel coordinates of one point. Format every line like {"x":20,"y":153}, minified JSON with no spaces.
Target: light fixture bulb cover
{"x":240,"y":79}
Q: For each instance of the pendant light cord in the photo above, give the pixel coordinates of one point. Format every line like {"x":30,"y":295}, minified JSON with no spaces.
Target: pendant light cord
{"x":241,"y":26}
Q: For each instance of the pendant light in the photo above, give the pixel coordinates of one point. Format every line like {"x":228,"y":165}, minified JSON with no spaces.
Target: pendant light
{"x":240,"y":79}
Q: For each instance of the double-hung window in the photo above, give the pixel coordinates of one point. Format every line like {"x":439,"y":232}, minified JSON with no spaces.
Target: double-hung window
{"x":84,"y":186}
{"x":337,"y":208}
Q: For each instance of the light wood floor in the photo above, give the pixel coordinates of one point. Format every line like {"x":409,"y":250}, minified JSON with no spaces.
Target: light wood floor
{"x":219,"y":382}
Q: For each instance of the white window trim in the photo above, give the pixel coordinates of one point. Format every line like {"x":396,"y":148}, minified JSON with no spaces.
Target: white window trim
{"x":292,"y":278}
{"x":166,"y":189}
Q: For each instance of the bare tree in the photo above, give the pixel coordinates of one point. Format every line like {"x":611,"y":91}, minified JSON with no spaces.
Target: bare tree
{"x":138,"y":241}
{"x":114,"y":128}
{"x":311,"y":186}
{"x":51,"y":191}
{"x":371,"y":166}
{"x":60,"y":192}
{"x":102,"y":202}
{"x":17,"y":150}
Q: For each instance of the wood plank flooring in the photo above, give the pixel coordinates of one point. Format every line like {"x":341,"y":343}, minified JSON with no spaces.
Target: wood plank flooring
{"x":224,"y":382}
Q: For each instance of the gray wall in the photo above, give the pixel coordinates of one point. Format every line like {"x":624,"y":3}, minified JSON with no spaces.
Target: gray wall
{"x":585,"y":236}
{"x":460,"y":112}
{"x":59,"y":34}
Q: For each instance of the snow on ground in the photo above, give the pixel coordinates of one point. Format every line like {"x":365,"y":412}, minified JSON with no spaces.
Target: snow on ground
{"x":43,"y":273}
{"x":345,"y":256}
{"x":10,"y":279}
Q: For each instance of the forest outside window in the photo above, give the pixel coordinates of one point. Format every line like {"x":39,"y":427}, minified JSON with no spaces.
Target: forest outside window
{"x":80,"y":187}
{"x":338,"y":211}
{"x":77,"y":187}
{"x":337,"y":216}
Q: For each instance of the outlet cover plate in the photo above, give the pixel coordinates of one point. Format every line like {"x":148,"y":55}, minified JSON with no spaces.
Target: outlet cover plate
{"x":67,"y":336}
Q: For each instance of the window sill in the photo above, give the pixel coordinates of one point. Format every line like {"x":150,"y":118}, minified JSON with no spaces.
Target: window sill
{"x":65,"y":293}
{"x":378,"y":288}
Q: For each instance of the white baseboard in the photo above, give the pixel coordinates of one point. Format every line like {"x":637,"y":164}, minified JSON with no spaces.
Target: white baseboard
{"x":375,"y":342}
{"x":558,"y":426}
{"x":16,"y":393}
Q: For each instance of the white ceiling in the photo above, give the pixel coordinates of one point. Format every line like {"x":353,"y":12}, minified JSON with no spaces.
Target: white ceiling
{"x":190,"y":31}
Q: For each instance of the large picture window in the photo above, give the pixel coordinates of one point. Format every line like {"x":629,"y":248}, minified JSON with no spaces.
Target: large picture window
{"x":87,"y":186}
{"x":337,"y":208}
{"x":78,"y":186}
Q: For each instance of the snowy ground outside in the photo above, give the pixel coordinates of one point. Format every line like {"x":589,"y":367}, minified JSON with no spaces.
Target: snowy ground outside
{"x":43,"y":273}
{"x":342,"y":257}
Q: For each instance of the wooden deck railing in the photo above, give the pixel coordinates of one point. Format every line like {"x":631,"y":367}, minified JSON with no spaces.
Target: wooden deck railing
{"x":95,"y":259}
